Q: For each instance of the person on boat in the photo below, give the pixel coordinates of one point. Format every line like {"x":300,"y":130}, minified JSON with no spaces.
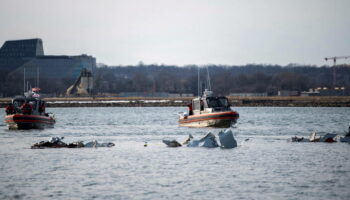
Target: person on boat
{"x":42,"y":108}
{"x":10,"y":109}
{"x":202,"y":105}
{"x":190,"y":109}
{"x":26,"y":108}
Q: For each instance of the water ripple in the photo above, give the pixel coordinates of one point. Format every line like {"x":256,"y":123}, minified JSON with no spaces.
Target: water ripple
{"x":263,"y":167}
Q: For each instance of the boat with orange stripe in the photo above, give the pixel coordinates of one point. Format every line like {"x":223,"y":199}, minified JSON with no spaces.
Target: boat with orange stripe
{"x":209,"y":111}
{"x":28,"y":112}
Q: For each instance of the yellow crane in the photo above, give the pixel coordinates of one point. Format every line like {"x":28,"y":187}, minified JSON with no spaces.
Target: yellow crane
{"x":334,"y":63}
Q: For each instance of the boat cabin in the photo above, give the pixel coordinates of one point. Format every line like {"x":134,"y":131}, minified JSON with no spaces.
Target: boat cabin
{"x":210,"y":104}
{"x":37,"y":105}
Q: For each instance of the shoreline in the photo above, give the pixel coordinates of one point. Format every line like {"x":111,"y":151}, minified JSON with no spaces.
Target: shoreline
{"x":324,"y":101}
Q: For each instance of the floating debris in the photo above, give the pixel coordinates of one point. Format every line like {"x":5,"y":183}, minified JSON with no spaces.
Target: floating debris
{"x":227,"y":140}
{"x":209,"y":141}
{"x":190,"y":137}
{"x":314,"y":138}
{"x":94,"y":144}
{"x":328,"y":138}
{"x":299,"y":139}
{"x":171,"y":143}
{"x":345,"y":139}
{"x":57,"y":142}
{"x":79,"y":144}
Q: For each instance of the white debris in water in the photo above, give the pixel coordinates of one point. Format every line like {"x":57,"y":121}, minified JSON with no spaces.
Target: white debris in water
{"x":193,"y":143}
{"x":155,"y":101}
{"x":227,"y":140}
{"x":208,"y":141}
{"x":94,"y":144}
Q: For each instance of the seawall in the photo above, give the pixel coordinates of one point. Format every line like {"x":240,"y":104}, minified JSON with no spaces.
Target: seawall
{"x":184,"y":101}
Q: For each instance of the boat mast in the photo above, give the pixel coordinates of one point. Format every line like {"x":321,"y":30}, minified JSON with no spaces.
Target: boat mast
{"x":37,"y":77}
{"x":198,"y":83}
{"x":208,"y":79}
{"x":24,"y":80}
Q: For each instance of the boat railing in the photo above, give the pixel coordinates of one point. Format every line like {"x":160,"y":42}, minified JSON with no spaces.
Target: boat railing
{"x":182,"y":114}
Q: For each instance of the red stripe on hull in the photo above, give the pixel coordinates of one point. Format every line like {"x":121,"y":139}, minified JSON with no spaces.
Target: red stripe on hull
{"x":25,"y":121}
{"x":213,"y":118}
{"x":27,"y":116}
{"x":22,"y":121}
{"x":209,"y":114}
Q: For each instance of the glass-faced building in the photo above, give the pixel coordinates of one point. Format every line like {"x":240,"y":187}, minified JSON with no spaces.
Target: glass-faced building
{"x":15,"y":55}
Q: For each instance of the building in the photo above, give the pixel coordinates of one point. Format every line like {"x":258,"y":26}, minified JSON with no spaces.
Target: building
{"x":262,"y":94}
{"x":17,"y":55}
{"x":285,"y":93}
{"x":310,"y":93}
{"x":154,"y":94}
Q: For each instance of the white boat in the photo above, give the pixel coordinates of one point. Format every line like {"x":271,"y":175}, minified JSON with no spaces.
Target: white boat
{"x":209,"y":111}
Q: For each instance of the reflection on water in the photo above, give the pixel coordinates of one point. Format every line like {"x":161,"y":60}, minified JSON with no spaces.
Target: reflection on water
{"x":264,"y":167}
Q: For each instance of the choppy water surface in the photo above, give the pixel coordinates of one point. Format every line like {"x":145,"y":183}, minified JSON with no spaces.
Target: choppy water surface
{"x":264,"y":167}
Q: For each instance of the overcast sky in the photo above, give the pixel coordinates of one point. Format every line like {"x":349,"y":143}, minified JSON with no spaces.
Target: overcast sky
{"x":234,"y":32}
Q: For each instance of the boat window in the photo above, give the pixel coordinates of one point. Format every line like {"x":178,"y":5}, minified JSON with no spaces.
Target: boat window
{"x":213,"y":103}
{"x":18,"y":103}
{"x":33,"y":104}
{"x":196,"y":105}
{"x":224,"y":102}
{"x":217,"y":102}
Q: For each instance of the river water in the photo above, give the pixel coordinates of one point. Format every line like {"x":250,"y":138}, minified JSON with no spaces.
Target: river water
{"x":264,"y":167}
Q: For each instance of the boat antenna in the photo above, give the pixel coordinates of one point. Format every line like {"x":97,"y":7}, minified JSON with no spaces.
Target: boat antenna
{"x":24,"y":80}
{"x":208,"y":79}
{"x":198,"y":83}
{"x":37,"y":77}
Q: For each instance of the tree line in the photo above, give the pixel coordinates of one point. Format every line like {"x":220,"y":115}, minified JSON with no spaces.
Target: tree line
{"x":224,"y":79}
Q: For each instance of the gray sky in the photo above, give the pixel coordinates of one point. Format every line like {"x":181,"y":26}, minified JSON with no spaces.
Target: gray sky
{"x":234,"y":32}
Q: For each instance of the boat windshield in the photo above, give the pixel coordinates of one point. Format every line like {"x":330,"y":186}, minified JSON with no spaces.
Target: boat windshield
{"x":18,"y":102}
{"x":224,"y":102}
{"x":217,"y":102}
{"x":33,"y":104}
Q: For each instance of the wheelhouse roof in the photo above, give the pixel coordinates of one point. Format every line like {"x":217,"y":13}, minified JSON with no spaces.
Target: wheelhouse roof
{"x":23,"y":98}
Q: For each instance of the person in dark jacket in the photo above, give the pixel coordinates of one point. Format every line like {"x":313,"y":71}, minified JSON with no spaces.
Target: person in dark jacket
{"x":26,"y":108}
{"x":10,"y":109}
{"x":42,"y":108}
{"x":190,"y":109}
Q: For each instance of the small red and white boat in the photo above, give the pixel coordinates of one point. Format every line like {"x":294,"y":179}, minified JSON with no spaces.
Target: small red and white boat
{"x":209,"y":111}
{"x":28,"y":112}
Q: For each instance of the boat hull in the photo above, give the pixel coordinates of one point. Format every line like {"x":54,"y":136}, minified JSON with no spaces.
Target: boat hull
{"x":22,"y":121}
{"x":215,"y":120}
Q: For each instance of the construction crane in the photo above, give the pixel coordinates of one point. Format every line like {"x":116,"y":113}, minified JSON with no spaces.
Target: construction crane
{"x":334,"y":63}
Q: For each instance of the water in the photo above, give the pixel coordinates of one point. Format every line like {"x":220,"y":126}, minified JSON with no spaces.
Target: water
{"x":264,"y":167}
